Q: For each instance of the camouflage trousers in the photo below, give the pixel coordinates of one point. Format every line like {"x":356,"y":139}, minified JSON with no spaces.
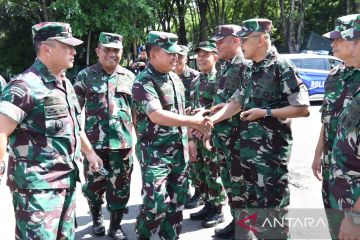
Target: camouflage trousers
{"x":205,"y":175}
{"x":265,"y":186}
{"x":325,"y":167}
{"x":226,"y":141}
{"x":164,"y":194}
{"x":116,"y":185}
{"x":44,"y":214}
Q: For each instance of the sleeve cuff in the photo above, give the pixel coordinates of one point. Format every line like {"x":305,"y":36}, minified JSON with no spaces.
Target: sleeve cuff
{"x":152,"y":105}
{"x":299,"y":99}
{"x":12,"y":111}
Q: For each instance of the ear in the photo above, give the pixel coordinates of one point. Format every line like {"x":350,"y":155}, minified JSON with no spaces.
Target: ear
{"x":216,"y":57}
{"x":97,"y":50}
{"x":45,"y":49}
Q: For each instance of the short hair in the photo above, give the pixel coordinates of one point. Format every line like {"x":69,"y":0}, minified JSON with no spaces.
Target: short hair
{"x":37,"y":45}
{"x":149,"y":47}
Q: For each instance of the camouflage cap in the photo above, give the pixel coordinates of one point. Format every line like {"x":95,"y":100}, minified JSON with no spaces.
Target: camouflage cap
{"x":111,"y":40}
{"x":341,"y":24}
{"x":208,"y":46}
{"x":58,"y":31}
{"x":255,"y":25}
{"x":166,"y":41}
{"x":353,"y":34}
{"x":183,"y":50}
{"x":223,"y":31}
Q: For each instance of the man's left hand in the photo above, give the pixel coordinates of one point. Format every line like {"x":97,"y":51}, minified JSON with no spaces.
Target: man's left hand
{"x":252,"y":114}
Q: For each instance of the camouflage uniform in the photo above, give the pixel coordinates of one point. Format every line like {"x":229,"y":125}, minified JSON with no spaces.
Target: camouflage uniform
{"x":187,"y":77}
{"x":205,"y":171}
{"x":42,"y":171}
{"x":344,"y":186}
{"x":43,"y":148}
{"x":265,"y":144}
{"x":331,"y":109}
{"x":225,"y":134}
{"x":161,"y":150}
{"x":108,"y":125}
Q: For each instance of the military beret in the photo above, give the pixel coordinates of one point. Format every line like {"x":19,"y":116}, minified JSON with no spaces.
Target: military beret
{"x":208,"y":46}
{"x":255,"y":25}
{"x":341,"y":24}
{"x":111,"y":40}
{"x":58,"y":31}
{"x":166,"y":41}
{"x":223,"y":31}
{"x":183,"y":50}
{"x":353,"y":34}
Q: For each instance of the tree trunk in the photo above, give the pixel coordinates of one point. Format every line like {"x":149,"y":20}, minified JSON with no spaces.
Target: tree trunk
{"x":262,"y":8}
{"x":291,"y":40}
{"x":284,"y":21}
{"x":44,"y":10}
{"x":181,"y":8}
{"x":202,"y":5}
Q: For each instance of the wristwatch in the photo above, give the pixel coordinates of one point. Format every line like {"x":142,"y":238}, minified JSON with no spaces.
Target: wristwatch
{"x":268,"y":112}
{"x":354,"y":215}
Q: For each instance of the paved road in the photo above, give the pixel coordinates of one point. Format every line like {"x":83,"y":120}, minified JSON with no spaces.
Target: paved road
{"x":305,"y":190}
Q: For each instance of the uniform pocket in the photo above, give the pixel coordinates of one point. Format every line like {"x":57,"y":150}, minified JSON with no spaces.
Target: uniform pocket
{"x":57,"y":117}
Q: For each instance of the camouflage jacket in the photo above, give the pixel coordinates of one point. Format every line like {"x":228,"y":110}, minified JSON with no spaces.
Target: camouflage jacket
{"x":187,"y":77}
{"x":153,"y":90}
{"x":46,"y":142}
{"x":332,"y":106}
{"x":203,"y":90}
{"x":2,"y":84}
{"x":229,"y":79}
{"x":345,"y":161}
{"x":272,"y":83}
{"x":108,"y":101}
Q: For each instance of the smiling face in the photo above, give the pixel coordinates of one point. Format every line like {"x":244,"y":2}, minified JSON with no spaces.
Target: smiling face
{"x":161,"y":60}
{"x":227,"y":47}
{"x":109,"y":58}
{"x":205,"y":60}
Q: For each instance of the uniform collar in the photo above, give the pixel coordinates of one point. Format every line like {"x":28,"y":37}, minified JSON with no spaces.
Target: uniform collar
{"x":99,"y":69}
{"x":152,"y":70}
{"x":44,"y":72}
{"x":269,"y":59}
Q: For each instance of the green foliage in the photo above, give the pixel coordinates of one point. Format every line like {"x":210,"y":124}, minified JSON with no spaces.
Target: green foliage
{"x":133,"y":19}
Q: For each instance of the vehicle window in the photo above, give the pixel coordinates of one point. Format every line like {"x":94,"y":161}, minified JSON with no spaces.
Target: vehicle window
{"x":333,"y":63}
{"x":310,"y":63}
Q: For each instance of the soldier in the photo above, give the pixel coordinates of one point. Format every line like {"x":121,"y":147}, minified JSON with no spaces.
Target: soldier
{"x":185,"y":73}
{"x":344,"y":187}
{"x":187,"y":76}
{"x":141,"y":62}
{"x":205,"y":167}
{"x":330,"y":110}
{"x":40,"y":114}
{"x":225,"y":135}
{"x":162,"y":147}
{"x":104,"y":90}
{"x":270,"y":93}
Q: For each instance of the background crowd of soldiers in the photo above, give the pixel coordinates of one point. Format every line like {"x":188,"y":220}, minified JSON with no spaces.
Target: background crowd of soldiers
{"x":225,"y":128}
